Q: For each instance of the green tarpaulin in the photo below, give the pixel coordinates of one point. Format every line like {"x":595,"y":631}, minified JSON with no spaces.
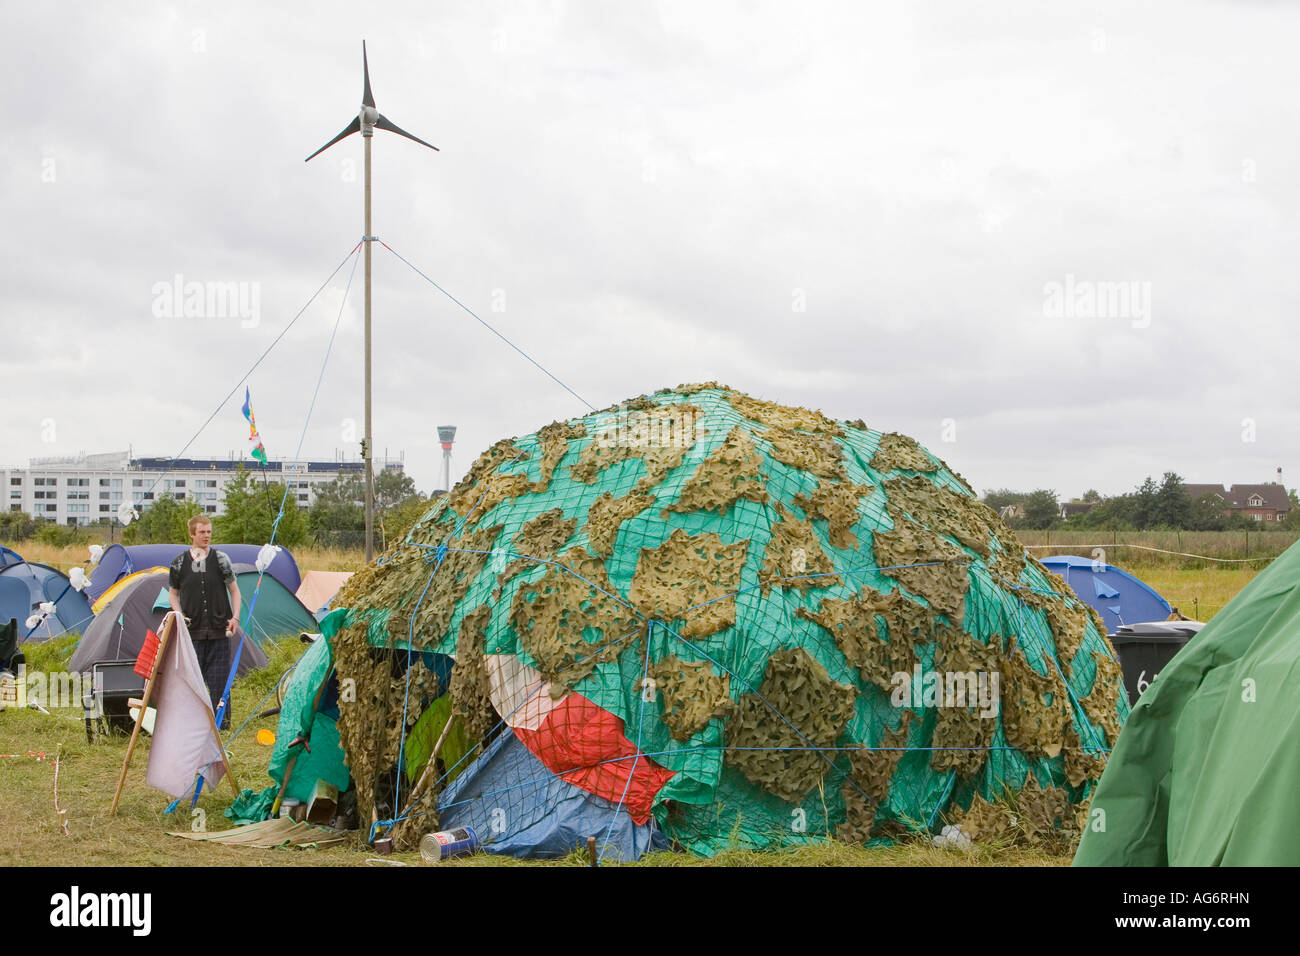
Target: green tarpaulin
{"x":325,"y":761}
{"x":1207,"y":769}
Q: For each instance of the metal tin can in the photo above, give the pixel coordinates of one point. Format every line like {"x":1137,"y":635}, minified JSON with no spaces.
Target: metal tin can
{"x":447,"y":843}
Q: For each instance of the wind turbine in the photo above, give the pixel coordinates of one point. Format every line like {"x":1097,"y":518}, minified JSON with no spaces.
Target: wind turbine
{"x":365,"y":123}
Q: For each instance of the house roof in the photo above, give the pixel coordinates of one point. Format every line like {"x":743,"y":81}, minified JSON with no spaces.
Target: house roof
{"x":1273,"y":496}
{"x":1197,"y":492}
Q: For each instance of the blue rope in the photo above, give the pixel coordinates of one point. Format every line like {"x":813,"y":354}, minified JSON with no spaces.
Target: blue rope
{"x":410,"y":640}
{"x":275,"y":527}
{"x":766,"y":703}
{"x":645,"y":675}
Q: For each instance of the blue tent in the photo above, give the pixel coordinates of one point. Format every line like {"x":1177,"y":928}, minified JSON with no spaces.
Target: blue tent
{"x":1119,"y":597}
{"x":8,"y":557}
{"x":557,"y":816}
{"x":118,"y":561}
{"x":27,"y":586}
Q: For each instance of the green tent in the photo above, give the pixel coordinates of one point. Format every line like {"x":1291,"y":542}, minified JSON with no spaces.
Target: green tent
{"x":325,"y":760}
{"x":277,"y":613}
{"x":1208,"y":766}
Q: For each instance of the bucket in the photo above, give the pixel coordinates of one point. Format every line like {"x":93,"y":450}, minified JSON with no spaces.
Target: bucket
{"x":447,"y":843}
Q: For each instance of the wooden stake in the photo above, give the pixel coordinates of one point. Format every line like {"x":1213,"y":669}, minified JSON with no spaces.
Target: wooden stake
{"x":230,"y":774}
{"x":168,"y":627}
{"x":433,"y":758}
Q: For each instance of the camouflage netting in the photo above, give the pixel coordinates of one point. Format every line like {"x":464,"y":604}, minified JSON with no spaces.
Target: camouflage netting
{"x":784,"y":611}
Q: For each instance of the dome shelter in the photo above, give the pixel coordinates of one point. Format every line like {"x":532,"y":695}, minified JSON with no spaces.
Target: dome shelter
{"x":731,"y":623}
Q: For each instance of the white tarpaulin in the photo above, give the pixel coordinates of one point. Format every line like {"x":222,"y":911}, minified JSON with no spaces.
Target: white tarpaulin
{"x":184,"y":743}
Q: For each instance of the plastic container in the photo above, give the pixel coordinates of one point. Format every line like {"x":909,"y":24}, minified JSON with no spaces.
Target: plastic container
{"x":1145,"y":649}
{"x":435,"y":847}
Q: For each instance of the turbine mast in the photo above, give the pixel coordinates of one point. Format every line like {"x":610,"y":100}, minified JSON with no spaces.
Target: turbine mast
{"x":365,"y":122}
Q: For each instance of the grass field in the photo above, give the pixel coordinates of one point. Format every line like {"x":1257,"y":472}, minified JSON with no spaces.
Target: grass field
{"x":30,"y":831}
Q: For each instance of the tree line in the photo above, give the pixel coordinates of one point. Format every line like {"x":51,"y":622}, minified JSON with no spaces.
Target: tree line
{"x":1151,"y":506}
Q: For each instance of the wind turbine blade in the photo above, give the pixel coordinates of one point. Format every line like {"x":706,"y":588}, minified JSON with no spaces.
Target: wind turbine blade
{"x":367,"y":98}
{"x":385,"y":123}
{"x":353,"y":127}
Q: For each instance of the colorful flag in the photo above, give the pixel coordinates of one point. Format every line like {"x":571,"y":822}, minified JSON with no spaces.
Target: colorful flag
{"x":258,"y":452}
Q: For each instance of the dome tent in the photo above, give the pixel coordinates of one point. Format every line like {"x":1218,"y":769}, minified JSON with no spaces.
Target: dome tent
{"x":119,"y":561}
{"x":1118,"y":596}
{"x":25,"y":585}
{"x":725,"y":618}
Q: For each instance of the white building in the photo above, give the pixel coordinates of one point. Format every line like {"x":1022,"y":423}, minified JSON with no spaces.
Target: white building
{"x":85,"y":488}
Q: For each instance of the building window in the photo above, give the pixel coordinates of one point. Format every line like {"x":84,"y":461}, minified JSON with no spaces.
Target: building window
{"x":103,"y":482}
{"x":15,"y":507}
{"x":180,"y":496}
{"x":78,"y":509}
{"x":302,"y":497}
{"x":211,"y":509}
{"x":1257,"y":516}
{"x":103,"y":496}
{"x":148,"y":496}
{"x":78,"y":482}
{"x":48,"y":507}
{"x":15,"y":481}
{"x":41,"y":481}
{"x":15,"y":493}
{"x":103,"y":509}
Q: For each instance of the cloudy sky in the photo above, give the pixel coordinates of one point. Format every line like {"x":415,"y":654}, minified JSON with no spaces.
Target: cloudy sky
{"x":1056,"y":246}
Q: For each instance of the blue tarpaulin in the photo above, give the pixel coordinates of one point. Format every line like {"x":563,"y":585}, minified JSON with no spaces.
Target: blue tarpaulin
{"x":557,"y":816}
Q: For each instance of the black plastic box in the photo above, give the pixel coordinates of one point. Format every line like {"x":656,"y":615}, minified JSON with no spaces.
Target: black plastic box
{"x":1145,"y":649}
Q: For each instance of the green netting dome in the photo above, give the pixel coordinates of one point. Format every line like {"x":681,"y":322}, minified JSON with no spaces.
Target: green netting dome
{"x":804,"y":627}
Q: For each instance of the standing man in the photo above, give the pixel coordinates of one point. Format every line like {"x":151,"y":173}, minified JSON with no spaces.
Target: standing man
{"x":202,"y":589}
